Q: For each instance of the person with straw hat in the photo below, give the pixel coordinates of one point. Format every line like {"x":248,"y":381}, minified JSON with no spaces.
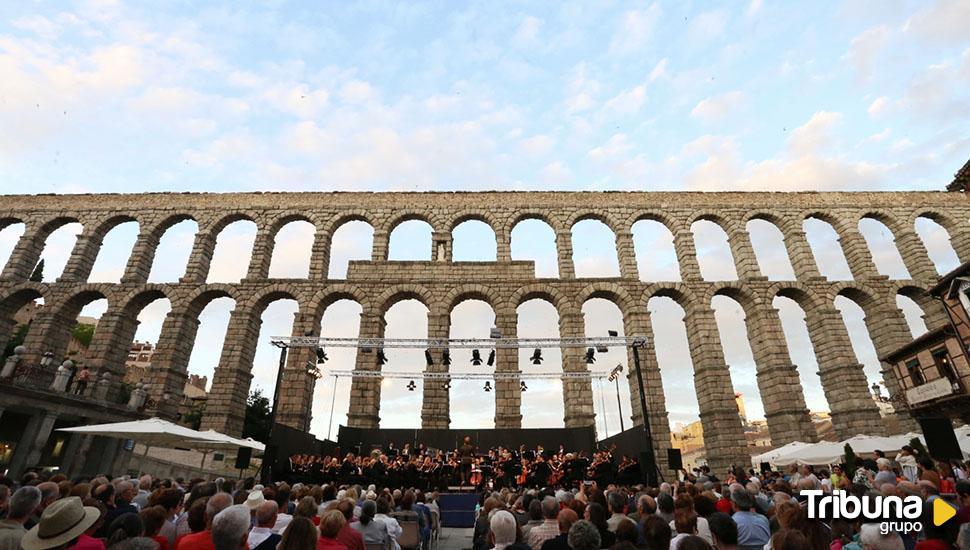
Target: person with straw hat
{"x":62,"y":523}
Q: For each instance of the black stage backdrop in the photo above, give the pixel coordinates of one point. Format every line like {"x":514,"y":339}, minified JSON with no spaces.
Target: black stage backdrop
{"x":363,"y":440}
{"x":629,"y":442}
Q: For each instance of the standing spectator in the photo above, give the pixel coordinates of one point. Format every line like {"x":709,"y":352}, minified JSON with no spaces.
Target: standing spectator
{"x":583,"y":535}
{"x":171,"y":501}
{"x":22,"y":504}
{"x":685,"y":523}
{"x":63,"y":522}
{"x":82,"y":381}
{"x":332,"y":523}
{"x":596,"y":514}
{"x":300,"y":534}
{"x":617,"y":503}
{"x":230,"y":527}
{"x":144,"y":491}
{"x":203,"y":539}
{"x":550,"y":525}
{"x":262,"y":536}
{"x":152,"y":519}
{"x":656,"y":533}
{"x":567,"y":517}
{"x":724,"y":531}
{"x":753,"y":529}
{"x":535,"y":517}
{"x":124,"y":527}
{"x":49,"y":492}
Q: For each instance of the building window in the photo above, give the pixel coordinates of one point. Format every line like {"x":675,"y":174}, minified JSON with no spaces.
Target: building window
{"x":944,"y":364}
{"x":915,"y":373}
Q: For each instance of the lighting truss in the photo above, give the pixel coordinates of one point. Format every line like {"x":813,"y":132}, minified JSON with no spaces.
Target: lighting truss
{"x":455,"y":343}
{"x":398,"y":375}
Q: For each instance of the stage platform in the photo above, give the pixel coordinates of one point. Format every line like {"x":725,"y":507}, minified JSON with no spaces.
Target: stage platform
{"x":457,"y":509}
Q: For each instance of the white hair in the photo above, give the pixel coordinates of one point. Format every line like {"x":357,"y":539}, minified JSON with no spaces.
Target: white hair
{"x":871,"y":537}
{"x":230,"y":526}
{"x":503,"y":527}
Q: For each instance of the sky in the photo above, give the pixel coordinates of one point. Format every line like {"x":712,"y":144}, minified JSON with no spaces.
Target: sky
{"x":112,"y":96}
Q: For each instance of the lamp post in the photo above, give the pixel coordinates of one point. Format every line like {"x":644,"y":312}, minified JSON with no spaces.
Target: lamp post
{"x":615,"y":377}
{"x":650,"y":468}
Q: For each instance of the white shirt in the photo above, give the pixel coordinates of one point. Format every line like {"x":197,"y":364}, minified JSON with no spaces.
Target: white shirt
{"x":703,"y":531}
{"x":282,"y":520}
{"x":394,"y":529}
{"x":258,"y":535}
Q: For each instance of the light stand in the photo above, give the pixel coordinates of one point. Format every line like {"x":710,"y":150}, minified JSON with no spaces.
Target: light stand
{"x":269,"y":456}
{"x":615,"y":376}
{"x":650,"y":469}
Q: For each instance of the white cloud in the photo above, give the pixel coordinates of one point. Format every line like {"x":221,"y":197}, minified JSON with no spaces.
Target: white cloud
{"x":717,"y":107}
{"x":528,"y":31}
{"x":556,"y":173}
{"x":943,"y":21}
{"x":627,"y":102}
{"x":635,"y":29}
{"x":659,"y":70}
{"x":754,"y":7}
{"x":537,"y":145}
{"x":865,"y":49}
{"x":816,"y":134}
{"x":878,"y":106}
{"x":708,"y":25}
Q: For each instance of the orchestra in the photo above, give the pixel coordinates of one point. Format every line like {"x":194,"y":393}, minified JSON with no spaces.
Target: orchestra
{"x":437,"y":469}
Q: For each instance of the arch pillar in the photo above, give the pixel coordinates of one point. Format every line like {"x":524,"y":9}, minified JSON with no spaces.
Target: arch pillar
{"x":381,"y":245}
{"x":745,"y":261}
{"x":109,"y":349}
{"x":503,"y":245}
{"x":225,"y":409}
{"x":365,"y":393}
{"x":139,"y":265}
{"x":25,"y":254}
{"x":170,"y":362}
{"x":320,"y":254}
{"x":800,"y":254}
{"x":778,"y":381}
{"x":626,"y":254}
{"x":843,"y":379}
{"x":50,"y":331}
{"x":724,"y":439}
{"x":200,"y":259}
{"x":577,"y":393}
{"x":639,"y":323}
{"x":914,"y":254}
{"x":435,"y":402}
{"x":82,"y":259}
{"x":296,"y":387}
{"x":889,"y":331}
{"x":959,"y":240}
{"x":686,"y":251}
{"x":262,"y":255}
{"x":564,"y":251}
{"x":508,"y":392}
{"x":857,"y":254}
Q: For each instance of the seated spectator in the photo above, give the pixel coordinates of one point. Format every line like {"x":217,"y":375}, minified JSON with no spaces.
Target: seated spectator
{"x":583,"y":535}
{"x":374,"y":532}
{"x":596,"y":514}
{"x":19,"y":509}
{"x":535,"y":517}
{"x":550,"y":524}
{"x":300,"y":534}
{"x":872,"y":538}
{"x":332,"y":522}
{"x":393,"y":527}
{"x":685,"y":524}
{"x":348,"y":536}
{"x":616,"y":501}
{"x":230,"y":527}
{"x":567,"y":517}
{"x":262,"y":537}
{"x":656,"y":533}
{"x":503,"y":530}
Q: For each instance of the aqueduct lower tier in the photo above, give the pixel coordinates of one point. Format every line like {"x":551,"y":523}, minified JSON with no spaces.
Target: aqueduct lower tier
{"x":504,"y":284}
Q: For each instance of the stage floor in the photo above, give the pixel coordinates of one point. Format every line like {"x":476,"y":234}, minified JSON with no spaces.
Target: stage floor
{"x":455,"y":538}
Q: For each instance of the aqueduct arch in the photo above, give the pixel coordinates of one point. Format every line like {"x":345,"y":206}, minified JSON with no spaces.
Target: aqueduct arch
{"x":503,"y":283}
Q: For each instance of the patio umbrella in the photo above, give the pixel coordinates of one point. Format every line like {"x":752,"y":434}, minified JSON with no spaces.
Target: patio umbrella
{"x":151,"y":432}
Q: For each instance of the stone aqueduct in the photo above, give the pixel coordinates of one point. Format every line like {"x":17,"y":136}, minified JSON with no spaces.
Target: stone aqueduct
{"x":442,"y":284}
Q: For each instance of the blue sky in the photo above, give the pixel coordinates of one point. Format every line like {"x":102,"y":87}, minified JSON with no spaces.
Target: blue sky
{"x":109,"y":96}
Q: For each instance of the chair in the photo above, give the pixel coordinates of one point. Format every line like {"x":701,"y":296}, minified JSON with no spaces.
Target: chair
{"x":410,"y":535}
{"x":435,"y":526}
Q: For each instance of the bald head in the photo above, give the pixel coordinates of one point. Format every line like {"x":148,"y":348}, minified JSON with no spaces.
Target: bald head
{"x":48,"y":493}
{"x":266,"y":513}
{"x":216,"y":503}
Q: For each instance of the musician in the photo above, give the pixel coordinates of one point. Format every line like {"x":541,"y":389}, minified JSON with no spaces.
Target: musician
{"x":541,"y":470}
{"x":467,"y":453}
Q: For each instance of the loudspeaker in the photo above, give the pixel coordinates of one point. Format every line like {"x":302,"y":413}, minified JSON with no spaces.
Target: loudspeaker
{"x":242,"y":458}
{"x":674,"y":459}
{"x":269,"y":461}
{"x":941,"y":442}
{"x":648,"y":469}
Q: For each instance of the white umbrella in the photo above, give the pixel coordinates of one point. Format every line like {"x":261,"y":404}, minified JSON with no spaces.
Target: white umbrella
{"x":772,"y":455}
{"x":151,"y":432}
{"x":214,"y":440}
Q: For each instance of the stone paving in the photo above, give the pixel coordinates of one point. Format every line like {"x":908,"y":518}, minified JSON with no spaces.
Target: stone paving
{"x":455,"y":538}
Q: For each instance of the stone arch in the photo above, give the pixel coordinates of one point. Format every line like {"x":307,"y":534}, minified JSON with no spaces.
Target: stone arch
{"x":51,"y":329}
{"x":222,"y":222}
{"x":463,"y":293}
{"x":398,"y":293}
{"x":834,"y":260}
{"x":537,"y":290}
{"x":394,"y":227}
{"x":612,"y":292}
{"x":671,"y":223}
{"x":489,"y":223}
{"x":328,"y":261}
{"x":938,"y":237}
{"x":347,"y":216}
{"x":603,"y":217}
{"x":151,"y":243}
{"x":323,"y":299}
{"x":604,"y":239}
{"x":12,"y":301}
{"x":546,"y":261}
{"x":407,"y":215}
{"x":766,"y":233}
{"x":285,"y":218}
{"x":883,"y":250}
{"x":714,"y":250}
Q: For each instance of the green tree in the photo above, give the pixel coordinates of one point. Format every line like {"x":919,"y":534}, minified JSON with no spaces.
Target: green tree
{"x":257,"y":424}
{"x":83,"y":333}
{"x":193,"y":418}
{"x":15,"y":340}
{"x":38,"y":274}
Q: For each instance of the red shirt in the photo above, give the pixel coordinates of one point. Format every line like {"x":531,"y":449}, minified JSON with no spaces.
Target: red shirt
{"x":351,"y":538}
{"x":724,"y":505}
{"x":162,"y":542}
{"x":196,"y":541}
{"x":85,"y":542}
{"x":329,"y":544}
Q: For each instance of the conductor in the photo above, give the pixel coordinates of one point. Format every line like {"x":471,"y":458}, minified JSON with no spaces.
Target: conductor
{"x":467,"y":454}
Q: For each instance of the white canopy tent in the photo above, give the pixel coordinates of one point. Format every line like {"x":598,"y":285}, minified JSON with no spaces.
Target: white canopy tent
{"x":827,"y":452}
{"x":774,"y":454}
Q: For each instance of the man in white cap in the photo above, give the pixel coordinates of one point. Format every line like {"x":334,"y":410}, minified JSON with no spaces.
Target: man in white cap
{"x":62,"y":523}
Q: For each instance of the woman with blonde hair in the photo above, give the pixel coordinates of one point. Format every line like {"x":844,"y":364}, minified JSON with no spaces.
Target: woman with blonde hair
{"x":331,"y":523}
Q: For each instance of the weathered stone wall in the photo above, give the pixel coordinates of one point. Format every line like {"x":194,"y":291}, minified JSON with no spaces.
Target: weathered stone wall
{"x":441,"y":285}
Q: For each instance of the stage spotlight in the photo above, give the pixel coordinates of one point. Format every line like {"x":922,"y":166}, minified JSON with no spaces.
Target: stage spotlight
{"x":590,"y":356}
{"x":381,"y":358}
{"x":446,"y":357}
{"x":476,"y":358}
{"x":522,"y":386}
{"x":495,"y":333}
{"x":411,"y":385}
{"x":491,"y":358}
{"x":488,"y":386}
{"x":321,"y":356}
{"x":613,"y":333}
{"x":446,"y":386}
{"x":427,"y":357}
{"x":537,"y":357}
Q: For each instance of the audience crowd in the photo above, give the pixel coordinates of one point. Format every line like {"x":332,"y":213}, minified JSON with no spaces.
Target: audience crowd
{"x":746,"y":510}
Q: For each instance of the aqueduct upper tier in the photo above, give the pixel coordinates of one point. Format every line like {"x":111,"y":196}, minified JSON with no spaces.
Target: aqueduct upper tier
{"x":504,"y":284}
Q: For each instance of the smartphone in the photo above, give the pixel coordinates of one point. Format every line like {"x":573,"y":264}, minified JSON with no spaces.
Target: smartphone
{"x":588,"y":482}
